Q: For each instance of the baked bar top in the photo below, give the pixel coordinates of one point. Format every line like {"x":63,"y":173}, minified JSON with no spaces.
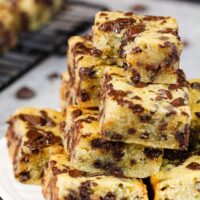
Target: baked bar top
{"x":150,"y":45}
{"x":137,"y":29}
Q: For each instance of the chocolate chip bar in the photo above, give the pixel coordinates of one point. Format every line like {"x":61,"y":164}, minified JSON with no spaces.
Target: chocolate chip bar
{"x":85,"y":65}
{"x":179,"y":177}
{"x":89,"y":152}
{"x":33,"y":135}
{"x":62,"y":181}
{"x":149,"y":45}
{"x":154,"y":115}
{"x":195,"y":103}
{"x":7,"y":29}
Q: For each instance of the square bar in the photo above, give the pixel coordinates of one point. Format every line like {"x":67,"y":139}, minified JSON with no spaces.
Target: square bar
{"x":33,"y":135}
{"x":149,"y":45}
{"x":154,"y":115}
{"x":90,"y":152}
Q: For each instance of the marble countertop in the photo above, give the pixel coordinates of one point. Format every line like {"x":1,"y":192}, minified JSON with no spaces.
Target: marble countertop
{"x":47,"y":94}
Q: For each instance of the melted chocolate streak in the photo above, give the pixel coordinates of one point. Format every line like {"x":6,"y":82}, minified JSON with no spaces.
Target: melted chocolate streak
{"x":119,"y":95}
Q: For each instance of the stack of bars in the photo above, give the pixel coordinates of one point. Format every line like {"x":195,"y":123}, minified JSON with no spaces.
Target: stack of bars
{"x":128,"y":115}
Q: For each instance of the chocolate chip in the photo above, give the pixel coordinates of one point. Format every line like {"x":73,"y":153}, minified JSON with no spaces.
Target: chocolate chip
{"x":76,"y":113}
{"x":139,"y":8}
{"x":39,"y":139}
{"x":185,"y":43}
{"x":132,"y":32}
{"x":57,"y":171}
{"x":133,"y":162}
{"x":152,"y":153}
{"x":144,"y":136}
{"x":135,"y":76}
{"x":154,"y":18}
{"x":179,"y":155}
{"x":85,"y":72}
{"x":102,"y":14}
{"x":170,"y":110}
{"x":84,"y":95}
{"x":169,"y":30}
{"x":53,"y":76}
{"x":136,"y":50}
{"x":164,"y":94}
{"x":25,"y":158}
{"x":115,"y":148}
{"x":108,"y":166}
{"x":32,"y":120}
{"x":174,"y":87}
{"x":117,"y":25}
{"x":46,"y":120}
{"x":197,"y":114}
{"x":193,"y":166}
{"x":162,"y":126}
{"x":96,"y":52}
{"x":24,"y":176}
{"x":195,"y":85}
{"x":136,"y":97}
{"x":73,"y":195}
{"x":136,"y":108}
{"x":62,"y":126}
{"x":85,"y":190}
{"x":145,"y":118}
{"x":81,"y":48}
{"x":75,"y":173}
{"x":25,"y":93}
{"x":184,"y":113}
{"x":141,"y":85}
{"x":109,"y":196}
{"x":181,"y":77}
{"x":183,"y":137}
{"x":116,"y":136}
{"x":178,"y":102}
{"x":131,"y":131}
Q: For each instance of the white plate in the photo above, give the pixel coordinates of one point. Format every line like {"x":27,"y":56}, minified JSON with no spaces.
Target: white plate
{"x":9,"y":188}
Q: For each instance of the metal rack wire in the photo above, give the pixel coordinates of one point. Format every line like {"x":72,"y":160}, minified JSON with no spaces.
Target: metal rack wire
{"x":34,"y":47}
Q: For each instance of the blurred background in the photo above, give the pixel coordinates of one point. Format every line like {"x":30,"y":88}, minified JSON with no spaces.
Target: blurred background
{"x":30,"y":68}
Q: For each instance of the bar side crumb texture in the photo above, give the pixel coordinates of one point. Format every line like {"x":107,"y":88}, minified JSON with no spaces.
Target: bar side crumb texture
{"x":63,"y":181}
{"x":90,"y":152}
{"x":195,"y":103}
{"x":85,"y":67}
{"x":149,"y":45}
{"x":33,"y":135}
{"x":67,"y":93}
{"x":155,"y":115}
